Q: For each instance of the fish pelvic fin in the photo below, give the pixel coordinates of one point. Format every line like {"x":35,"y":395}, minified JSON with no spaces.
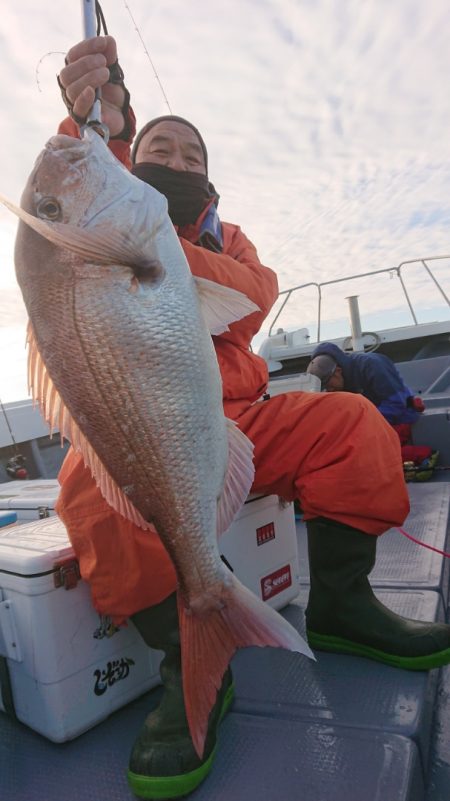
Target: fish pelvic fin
{"x":208,"y":644}
{"x":222,"y":305}
{"x":238,"y":479}
{"x":57,"y":416}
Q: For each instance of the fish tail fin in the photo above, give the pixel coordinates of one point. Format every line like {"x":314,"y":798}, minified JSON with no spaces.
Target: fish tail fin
{"x":208,"y":644}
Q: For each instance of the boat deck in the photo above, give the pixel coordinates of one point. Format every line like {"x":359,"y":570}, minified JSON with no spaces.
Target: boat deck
{"x":342,"y":728}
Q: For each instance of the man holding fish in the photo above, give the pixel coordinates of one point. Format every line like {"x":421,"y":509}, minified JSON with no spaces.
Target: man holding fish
{"x":327,"y":451}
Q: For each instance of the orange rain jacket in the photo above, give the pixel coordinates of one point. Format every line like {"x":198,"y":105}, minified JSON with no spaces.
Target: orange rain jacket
{"x":333,"y":451}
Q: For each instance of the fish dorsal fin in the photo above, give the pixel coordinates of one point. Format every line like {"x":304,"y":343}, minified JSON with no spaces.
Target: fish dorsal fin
{"x":238,"y":479}
{"x":102,"y":244}
{"x":222,"y":305}
{"x":57,"y":415}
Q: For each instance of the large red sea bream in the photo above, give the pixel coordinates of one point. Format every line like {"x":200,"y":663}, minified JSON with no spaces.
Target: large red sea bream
{"x":121,"y":360}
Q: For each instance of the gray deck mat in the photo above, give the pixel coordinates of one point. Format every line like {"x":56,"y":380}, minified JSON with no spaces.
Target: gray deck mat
{"x":401,"y":564}
{"x":345,"y":690}
{"x":294,"y":732}
{"x":258,"y":758}
{"x":261,"y":760}
{"x":272,"y":744}
{"x":439,"y":775}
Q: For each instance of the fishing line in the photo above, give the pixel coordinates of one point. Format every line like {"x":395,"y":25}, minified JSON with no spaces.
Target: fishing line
{"x":423,"y":544}
{"x":148,"y":56}
{"x":100,"y":23}
{"x":50,"y":53}
{"x":13,"y":441}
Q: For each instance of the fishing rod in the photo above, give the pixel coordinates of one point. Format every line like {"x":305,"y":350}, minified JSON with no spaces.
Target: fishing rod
{"x":92,"y":20}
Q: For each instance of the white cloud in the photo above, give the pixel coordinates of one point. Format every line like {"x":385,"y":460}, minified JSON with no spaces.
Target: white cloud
{"x":326,"y":122}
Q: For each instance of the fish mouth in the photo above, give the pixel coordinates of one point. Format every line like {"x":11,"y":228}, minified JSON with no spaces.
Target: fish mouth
{"x":69,"y":148}
{"x":74,"y":154}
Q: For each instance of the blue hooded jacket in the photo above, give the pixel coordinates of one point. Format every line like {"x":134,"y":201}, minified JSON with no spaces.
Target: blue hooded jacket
{"x":376,"y":377}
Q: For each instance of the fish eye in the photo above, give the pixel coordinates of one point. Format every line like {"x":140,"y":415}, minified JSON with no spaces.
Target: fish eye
{"x":49,"y":208}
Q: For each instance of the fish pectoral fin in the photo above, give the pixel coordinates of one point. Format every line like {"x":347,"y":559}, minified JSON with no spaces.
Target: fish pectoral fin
{"x":238,"y":478}
{"x":222,"y":305}
{"x":102,"y":244}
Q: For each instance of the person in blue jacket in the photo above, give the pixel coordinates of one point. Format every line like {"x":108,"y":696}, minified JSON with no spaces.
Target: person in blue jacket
{"x":371,"y":374}
{"x":376,"y":377}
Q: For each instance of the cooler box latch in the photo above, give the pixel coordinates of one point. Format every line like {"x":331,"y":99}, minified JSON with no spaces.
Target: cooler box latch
{"x":43,"y":512}
{"x":9,"y":640}
{"x":67,"y":574}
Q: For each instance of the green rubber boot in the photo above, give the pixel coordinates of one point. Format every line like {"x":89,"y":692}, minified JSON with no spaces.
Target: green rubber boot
{"x":163,"y":761}
{"x":343,"y":614}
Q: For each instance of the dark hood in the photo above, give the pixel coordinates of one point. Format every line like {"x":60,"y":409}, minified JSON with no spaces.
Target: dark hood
{"x":344,"y":360}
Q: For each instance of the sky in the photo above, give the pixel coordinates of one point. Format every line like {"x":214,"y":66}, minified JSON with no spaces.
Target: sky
{"x":326,"y":123}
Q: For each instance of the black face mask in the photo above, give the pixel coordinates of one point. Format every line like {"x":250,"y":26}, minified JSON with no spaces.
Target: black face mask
{"x":187,"y":192}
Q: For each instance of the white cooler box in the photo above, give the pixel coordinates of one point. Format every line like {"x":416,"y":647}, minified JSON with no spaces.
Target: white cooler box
{"x":62,"y":668}
{"x":261,"y":549}
{"x":260,"y":546}
{"x":30,"y":500}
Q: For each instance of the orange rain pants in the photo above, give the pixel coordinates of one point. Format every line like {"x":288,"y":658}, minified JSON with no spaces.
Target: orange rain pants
{"x":333,"y":451}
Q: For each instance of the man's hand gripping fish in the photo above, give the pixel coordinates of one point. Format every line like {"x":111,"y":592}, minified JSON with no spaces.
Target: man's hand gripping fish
{"x":121,"y":360}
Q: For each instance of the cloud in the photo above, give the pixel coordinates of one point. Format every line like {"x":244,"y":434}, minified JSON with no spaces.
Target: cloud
{"x":12,"y":308}
{"x":326,"y":122}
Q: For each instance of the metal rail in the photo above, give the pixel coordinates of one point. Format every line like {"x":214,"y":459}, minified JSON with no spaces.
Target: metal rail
{"x":391,"y":270}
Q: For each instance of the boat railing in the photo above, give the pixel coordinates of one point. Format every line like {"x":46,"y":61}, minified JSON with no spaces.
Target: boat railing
{"x":392,"y":271}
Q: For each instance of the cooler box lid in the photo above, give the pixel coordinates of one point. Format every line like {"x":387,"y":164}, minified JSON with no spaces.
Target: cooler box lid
{"x":29,"y":494}
{"x":32,"y":548}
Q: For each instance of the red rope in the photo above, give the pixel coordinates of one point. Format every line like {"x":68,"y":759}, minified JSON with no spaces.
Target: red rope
{"x":423,"y":544}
